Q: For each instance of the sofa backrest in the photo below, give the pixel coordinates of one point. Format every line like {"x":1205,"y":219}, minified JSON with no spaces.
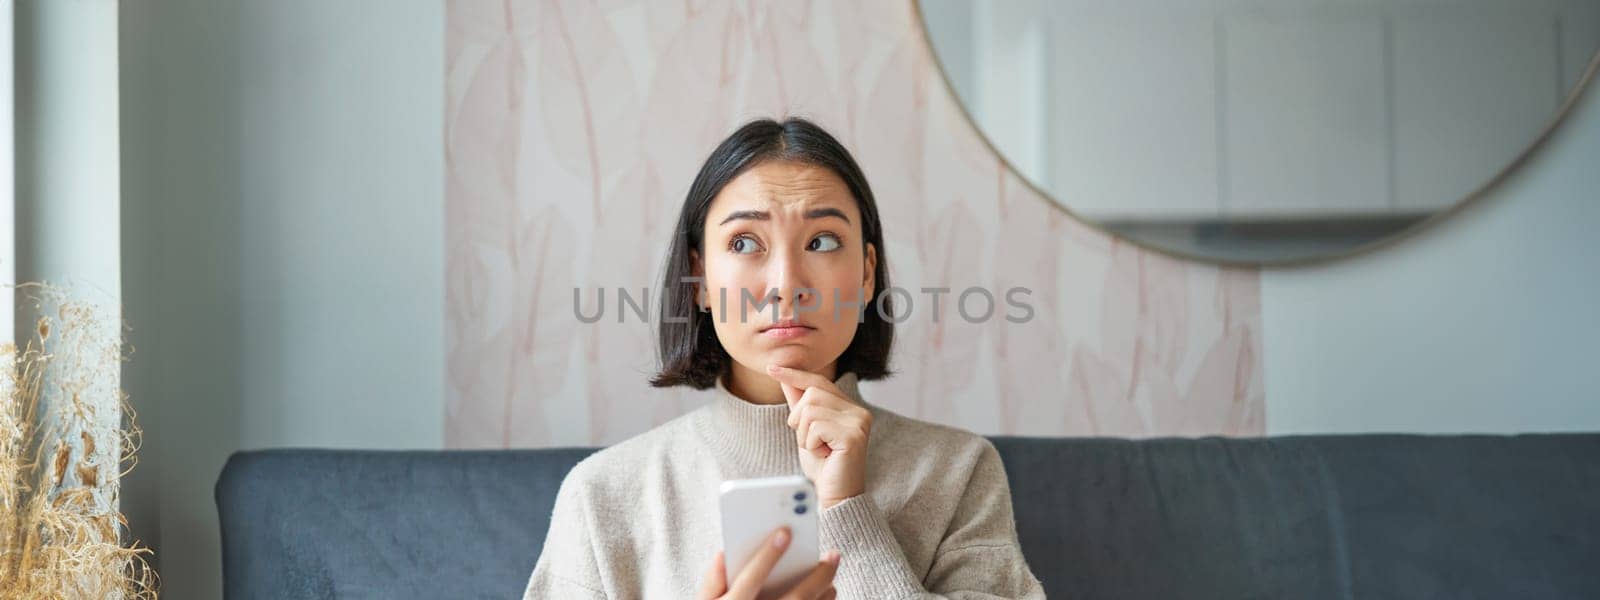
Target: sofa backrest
{"x":1304,"y":517}
{"x":326,"y":524}
{"x":1360,"y":516}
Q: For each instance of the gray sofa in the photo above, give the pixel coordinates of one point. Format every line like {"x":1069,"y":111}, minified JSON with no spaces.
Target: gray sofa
{"x":1367,"y":516}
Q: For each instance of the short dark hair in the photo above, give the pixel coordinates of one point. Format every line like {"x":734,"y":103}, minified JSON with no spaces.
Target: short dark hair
{"x":689,"y":351}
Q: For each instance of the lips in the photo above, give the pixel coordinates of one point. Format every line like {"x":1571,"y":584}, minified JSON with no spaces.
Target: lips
{"x":786,"y":329}
{"x":786,"y":324}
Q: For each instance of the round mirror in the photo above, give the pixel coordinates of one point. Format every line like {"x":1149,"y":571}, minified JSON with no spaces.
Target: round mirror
{"x":1263,"y":132}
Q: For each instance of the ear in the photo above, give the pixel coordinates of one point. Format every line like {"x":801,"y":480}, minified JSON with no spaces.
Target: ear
{"x":869,"y":282}
{"x":697,"y":268}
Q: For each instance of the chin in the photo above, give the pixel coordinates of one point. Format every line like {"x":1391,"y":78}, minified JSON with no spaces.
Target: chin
{"x":791,"y":355}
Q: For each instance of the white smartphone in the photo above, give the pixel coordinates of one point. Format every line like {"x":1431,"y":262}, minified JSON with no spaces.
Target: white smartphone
{"x":752,"y":509}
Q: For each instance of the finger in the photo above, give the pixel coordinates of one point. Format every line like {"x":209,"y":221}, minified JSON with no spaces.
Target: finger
{"x":800,"y":379}
{"x":822,"y":439}
{"x":800,"y":416}
{"x":817,"y":583}
{"x":755,"y":572}
{"x":831,"y":594}
{"x":797,"y":406}
{"x":815,"y":436}
{"x":715,"y":582}
{"x":843,"y":436}
{"x":802,"y":431}
{"x":811,"y":417}
{"x":791,"y":394}
{"x":809,"y":414}
{"x":814,"y":398}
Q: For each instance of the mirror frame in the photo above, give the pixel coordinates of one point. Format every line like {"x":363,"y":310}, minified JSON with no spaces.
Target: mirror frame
{"x":1585,"y":81}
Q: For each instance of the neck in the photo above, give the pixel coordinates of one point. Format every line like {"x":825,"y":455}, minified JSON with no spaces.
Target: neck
{"x":754,"y":440}
{"x":756,"y":387}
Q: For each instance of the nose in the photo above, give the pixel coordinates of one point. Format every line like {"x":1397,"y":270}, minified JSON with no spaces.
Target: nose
{"x":788,"y":281}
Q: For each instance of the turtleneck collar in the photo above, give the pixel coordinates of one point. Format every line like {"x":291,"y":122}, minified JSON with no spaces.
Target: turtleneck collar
{"x":754,"y":440}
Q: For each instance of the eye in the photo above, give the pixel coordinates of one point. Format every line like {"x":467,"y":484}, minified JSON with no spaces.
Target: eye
{"x":742,"y":244}
{"x":826,"y":242}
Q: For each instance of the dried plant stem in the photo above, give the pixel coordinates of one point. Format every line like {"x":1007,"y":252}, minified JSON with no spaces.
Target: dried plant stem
{"x":63,"y":451}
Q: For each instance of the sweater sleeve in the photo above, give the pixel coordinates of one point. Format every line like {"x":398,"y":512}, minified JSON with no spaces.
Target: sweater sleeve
{"x":566,"y":567}
{"x":979,"y":557}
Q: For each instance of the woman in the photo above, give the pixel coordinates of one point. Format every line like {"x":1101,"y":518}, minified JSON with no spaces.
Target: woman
{"x":783,"y":313}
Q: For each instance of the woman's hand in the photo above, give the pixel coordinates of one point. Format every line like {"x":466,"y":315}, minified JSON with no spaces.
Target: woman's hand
{"x":816,"y":585}
{"x":831,"y":432}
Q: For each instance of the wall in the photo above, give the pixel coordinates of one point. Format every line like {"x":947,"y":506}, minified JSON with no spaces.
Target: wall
{"x":8,"y":215}
{"x":284,"y":243}
{"x":66,"y":227}
{"x":1486,"y":323}
{"x":66,"y":174}
{"x":575,"y":130}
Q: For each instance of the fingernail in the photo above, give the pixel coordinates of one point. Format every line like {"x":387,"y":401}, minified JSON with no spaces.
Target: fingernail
{"x":780,"y":539}
{"x":831,"y":557}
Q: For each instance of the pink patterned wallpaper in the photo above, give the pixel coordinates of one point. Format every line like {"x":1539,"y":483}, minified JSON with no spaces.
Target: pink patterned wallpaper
{"x":575,"y":128}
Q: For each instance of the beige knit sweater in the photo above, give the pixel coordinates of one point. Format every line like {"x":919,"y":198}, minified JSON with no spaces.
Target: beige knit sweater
{"x":640,"y":519}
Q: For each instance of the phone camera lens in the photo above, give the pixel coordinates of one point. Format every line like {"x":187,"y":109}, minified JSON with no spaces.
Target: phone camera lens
{"x":800,"y":509}
{"x":799,"y":496}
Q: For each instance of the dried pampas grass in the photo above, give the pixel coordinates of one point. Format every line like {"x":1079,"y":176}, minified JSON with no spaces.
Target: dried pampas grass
{"x":63,"y":452}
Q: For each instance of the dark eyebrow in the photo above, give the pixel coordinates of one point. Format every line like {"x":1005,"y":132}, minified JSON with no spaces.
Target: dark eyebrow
{"x":761,"y":215}
{"x":827,"y":211}
{"x":758,"y":215}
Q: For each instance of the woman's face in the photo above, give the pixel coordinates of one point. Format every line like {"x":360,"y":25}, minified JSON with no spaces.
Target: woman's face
{"x":790,"y":231}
